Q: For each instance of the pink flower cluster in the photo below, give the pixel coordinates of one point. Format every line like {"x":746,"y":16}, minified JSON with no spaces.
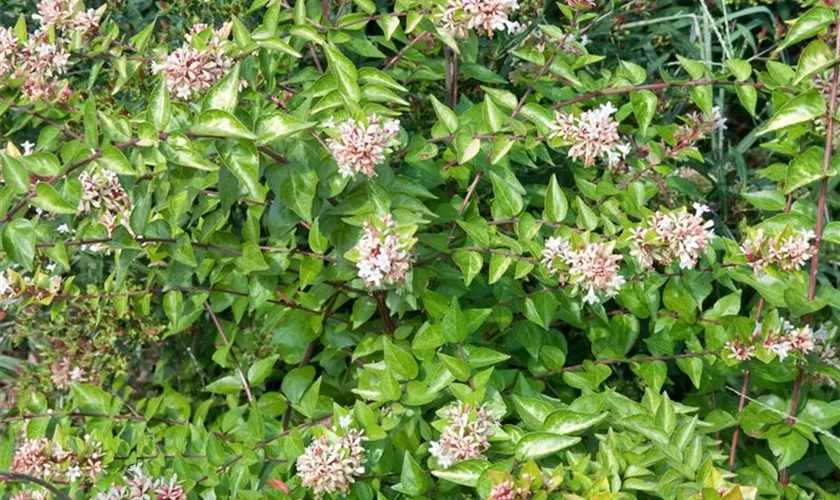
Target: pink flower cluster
{"x":46,"y":460}
{"x":13,"y":285}
{"x":592,"y":135}
{"x":465,"y":435}
{"x":696,"y":127}
{"x":459,"y":17}
{"x":330,"y":466}
{"x":383,"y":257}
{"x":675,"y":236}
{"x":358,"y":147}
{"x":139,"y":486}
{"x":591,"y":267}
{"x":67,"y":15}
{"x":39,"y":62}
{"x":791,"y":339}
{"x":190,"y":71}
{"x":788,"y":251}
{"x":63,"y":374}
{"x":101,"y":190}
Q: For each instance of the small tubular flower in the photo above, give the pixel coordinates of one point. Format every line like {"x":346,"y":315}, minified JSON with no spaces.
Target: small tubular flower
{"x":676,"y":236}
{"x":384,"y":258}
{"x":190,"y":71}
{"x":359,"y":147}
{"x":329,"y":466}
{"x":787,"y":251}
{"x":465,"y":435}
{"x":485,"y":17}
{"x":591,"y":268}
{"x":593,"y":134}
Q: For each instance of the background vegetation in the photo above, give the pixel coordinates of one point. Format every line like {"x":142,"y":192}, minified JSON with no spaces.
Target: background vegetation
{"x":444,"y":249}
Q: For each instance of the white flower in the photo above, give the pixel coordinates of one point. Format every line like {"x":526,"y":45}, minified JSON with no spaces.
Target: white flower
{"x":28,"y":148}
{"x":74,"y":473}
{"x":459,"y":17}
{"x":359,"y":148}
{"x":345,"y":421}
{"x":788,"y":253}
{"x":63,"y":229}
{"x":189,"y":71}
{"x":740,"y":351}
{"x":384,"y":258}
{"x":592,"y":268}
{"x":465,"y":435}
{"x":593,"y":134}
{"x":677,"y":236}
{"x":329,"y":467}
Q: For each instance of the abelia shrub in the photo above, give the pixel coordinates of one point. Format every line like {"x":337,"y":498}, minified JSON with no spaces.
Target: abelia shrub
{"x":447,"y":249}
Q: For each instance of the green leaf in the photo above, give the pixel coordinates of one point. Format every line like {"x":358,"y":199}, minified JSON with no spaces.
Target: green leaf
{"x":507,"y":195}
{"x":802,"y":108}
{"x":414,"y":480}
{"x":230,"y":384}
{"x":804,"y":169}
{"x":91,"y":124}
{"x":42,"y":164}
{"x":470,"y":264}
{"x":345,"y":74}
{"x":19,"y":242}
{"x":498,"y":265}
{"x":748,"y":97}
{"x":808,"y":25}
{"x":400,"y":361}
{"x":454,"y":323}
{"x":14,"y":174}
{"x":242,"y":160}
{"x":445,"y":115}
{"x":569,"y":422}
{"x":495,"y":118}
{"x":159,"y":110}
{"x":644,"y":107}
{"x":541,"y":309}
{"x":251,"y":258}
{"x":740,"y":69}
{"x":224,"y":96}
{"x":278,"y":125}
{"x":217,"y":123}
{"x":49,"y":200}
{"x":693,"y":367}
{"x":556,"y":204}
{"x":261,"y":369}
{"x":114,"y":160}
{"x":816,"y":57}
{"x":788,"y":445}
{"x":831,"y":232}
{"x":766,"y":200}
{"x":542,"y":444}
{"x":654,"y":373}
{"x":465,"y":473}
{"x":295,"y":184}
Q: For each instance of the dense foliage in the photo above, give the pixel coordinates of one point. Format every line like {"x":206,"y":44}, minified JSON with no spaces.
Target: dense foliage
{"x":423,"y":248}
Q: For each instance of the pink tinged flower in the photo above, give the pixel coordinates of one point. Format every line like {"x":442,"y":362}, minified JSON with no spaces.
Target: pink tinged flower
{"x":678,"y":236}
{"x":383,"y":257}
{"x":740,"y":351}
{"x":591,"y":268}
{"x":465,"y":435}
{"x":329,"y":467}
{"x":787,"y":253}
{"x":169,"y":491}
{"x":190,"y":71}
{"x":8,"y":50}
{"x":485,"y":17}
{"x":360,"y":147}
{"x":503,"y":491}
{"x":592,"y":135}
